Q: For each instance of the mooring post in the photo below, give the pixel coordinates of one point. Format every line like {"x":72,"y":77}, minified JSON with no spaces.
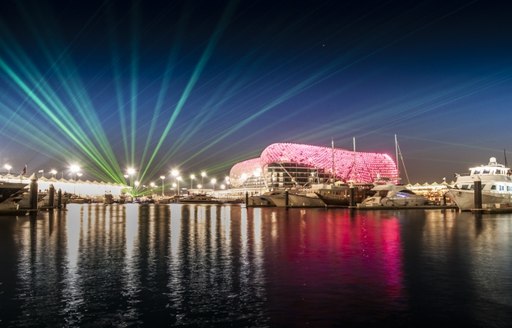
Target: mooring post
{"x":246,"y":199}
{"x":352,"y":196}
{"x":478,"y":194}
{"x":51,"y":197}
{"x":286,"y":199}
{"x":33,"y":192}
{"x":59,"y":199}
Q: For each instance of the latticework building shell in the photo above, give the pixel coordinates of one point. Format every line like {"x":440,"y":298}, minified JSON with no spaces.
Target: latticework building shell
{"x":283,"y":163}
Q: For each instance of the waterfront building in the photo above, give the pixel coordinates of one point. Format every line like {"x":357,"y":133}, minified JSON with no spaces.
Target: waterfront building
{"x":290,"y":165}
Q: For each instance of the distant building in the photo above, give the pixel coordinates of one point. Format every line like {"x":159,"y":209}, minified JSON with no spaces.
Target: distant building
{"x":287,"y":165}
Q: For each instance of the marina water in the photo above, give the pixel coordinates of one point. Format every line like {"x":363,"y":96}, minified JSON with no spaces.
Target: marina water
{"x":198,"y":265}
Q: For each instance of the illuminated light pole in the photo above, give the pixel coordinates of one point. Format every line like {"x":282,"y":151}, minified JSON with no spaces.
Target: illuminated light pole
{"x":130,"y":172}
{"x":8,"y":168}
{"x":136,"y":185}
{"x":74,"y":169}
{"x":152,"y":185}
{"x":178,"y":179}
{"x":163,"y":178}
{"x":213,"y":181}
{"x":175,"y":173}
{"x":53,"y":172}
{"x":192,"y":177}
{"x":203,"y":175}
{"x":200,"y":186}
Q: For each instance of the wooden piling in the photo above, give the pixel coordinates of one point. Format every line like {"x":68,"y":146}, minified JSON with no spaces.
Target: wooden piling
{"x":33,"y":193}
{"x":51,"y":197}
{"x":59,"y":199}
{"x":478,"y":194}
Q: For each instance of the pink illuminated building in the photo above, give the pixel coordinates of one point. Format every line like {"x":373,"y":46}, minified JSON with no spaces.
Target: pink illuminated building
{"x":286,"y":165}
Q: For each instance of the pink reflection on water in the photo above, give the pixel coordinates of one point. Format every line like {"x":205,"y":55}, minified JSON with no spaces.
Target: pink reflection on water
{"x":330,"y":259}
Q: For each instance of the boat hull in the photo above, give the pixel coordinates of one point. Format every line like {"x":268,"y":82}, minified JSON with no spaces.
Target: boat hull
{"x":465,"y":199}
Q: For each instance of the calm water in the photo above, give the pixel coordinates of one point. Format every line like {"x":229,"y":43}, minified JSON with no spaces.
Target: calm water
{"x":217,"y":266}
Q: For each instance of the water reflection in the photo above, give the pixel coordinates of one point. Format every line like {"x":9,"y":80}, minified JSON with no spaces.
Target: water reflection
{"x":211,"y":265}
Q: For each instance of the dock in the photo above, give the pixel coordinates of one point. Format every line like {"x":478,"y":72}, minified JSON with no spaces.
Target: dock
{"x":423,"y":207}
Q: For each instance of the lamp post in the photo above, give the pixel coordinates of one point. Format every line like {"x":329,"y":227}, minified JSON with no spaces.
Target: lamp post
{"x":192,"y":177}
{"x":130,"y":172}
{"x":152,"y":185}
{"x":213,"y":181}
{"x":178,"y":179}
{"x":227,"y":182}
{"x":74,"y":169}
{"x":203,"y":175}
{"x":8,"y":167}
{"x":175,"y":173}
{"x":163,"y":178}
{"x":53,"y":172}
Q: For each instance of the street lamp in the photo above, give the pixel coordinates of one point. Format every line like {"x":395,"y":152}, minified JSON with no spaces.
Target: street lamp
{"x":213,"y":181}
{"x":74,"y":169}
{"x":203,"y":175}
{"x":178,"y":179}
{"x":130,"y":172}
{"x":192,"y":177}
{"x":8,"y":168}
{"x":53,"y":172}
{"x":175,"y":173}
{"x":163,"y":178}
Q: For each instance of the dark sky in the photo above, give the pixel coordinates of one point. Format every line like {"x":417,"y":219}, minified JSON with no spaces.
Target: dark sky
{"x":201,"y":85}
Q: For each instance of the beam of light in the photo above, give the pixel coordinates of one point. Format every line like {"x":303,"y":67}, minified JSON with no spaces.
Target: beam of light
{"x":164,"y":86}
{"x":59,"y":110}
{"x":133,"y":78}
{"x":195,"y":76}
{"x":56,"y":118}
{"x":116,"y":60}
{"x":76,"y":92}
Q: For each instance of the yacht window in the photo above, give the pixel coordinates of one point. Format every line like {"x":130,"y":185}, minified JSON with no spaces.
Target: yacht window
{"x":476,"y":172}
{"x":485,"y":172}
{"x":493,"y":187}
{"x":502,"y":188}
{"x":509,"y":188}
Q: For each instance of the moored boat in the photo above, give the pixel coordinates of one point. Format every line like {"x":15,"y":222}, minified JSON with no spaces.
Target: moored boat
{"x":391,"y":195}
{"x":200,"y":199}
{"x":496,"y":186}
{"x":10,"y":189}
{"x":340,"y":195}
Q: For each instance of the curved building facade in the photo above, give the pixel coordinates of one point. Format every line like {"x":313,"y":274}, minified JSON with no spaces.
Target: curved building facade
{"x":287,"y":165}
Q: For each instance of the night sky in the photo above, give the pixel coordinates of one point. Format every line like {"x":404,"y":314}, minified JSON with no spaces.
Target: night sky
{"x":201,"y":85}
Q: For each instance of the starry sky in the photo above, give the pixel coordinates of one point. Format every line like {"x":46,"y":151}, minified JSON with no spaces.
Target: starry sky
{"x":202,"y":85}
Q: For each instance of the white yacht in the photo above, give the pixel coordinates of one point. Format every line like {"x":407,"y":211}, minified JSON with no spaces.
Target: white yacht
{"x":393,"y":195}
{"x":496,"y":184}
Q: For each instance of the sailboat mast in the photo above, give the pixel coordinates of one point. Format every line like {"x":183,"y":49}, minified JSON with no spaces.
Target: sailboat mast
{"x":397,"y":159}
